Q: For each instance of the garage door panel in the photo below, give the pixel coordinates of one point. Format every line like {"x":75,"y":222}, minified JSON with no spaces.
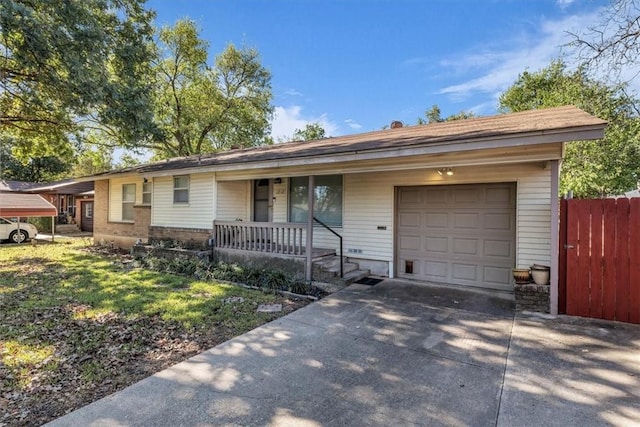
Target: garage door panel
{"x":435,"y":197}
{"x":496,"y":275}
{"x":466,"y":234}
{"x":435,"y":270}
{"x":409,"y":219}
{"x":463,"y":246}
{"x":410,"y":196}
{"x":464,"y":272}
{"x":466,"y":221}
{"x":437,"y":220}
{"x":499,"y":221}
{"x":437,"y":244}
{"x":498,"y":248}
{"x":466,"y":195}
{"x":410,"y":243}
{"x":500,"y":195}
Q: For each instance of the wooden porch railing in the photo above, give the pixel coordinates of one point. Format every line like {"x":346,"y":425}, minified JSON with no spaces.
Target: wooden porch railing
{"x":272,"y":237}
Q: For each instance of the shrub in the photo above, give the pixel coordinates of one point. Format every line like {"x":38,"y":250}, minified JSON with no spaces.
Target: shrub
{"x":271,"y":279}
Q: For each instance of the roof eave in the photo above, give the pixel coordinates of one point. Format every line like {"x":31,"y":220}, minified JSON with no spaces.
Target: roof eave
{"x":590,"y":132}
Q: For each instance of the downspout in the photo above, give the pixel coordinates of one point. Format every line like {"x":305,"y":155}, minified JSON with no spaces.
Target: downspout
{"x":555,"y":237}
{"x":309,"y":248}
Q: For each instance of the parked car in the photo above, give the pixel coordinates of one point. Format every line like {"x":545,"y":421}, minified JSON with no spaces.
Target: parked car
{"x":9,"y":230}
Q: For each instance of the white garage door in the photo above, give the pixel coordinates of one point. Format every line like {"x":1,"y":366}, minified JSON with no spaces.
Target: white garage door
{"x":458,"y":234}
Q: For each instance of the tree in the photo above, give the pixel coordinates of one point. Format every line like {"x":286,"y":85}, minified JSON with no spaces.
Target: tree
{"x":91,"y":161}
{"x":590,"y":168}
{"x":69,"y":66}
{"x":36,"y":169}
{"x":204,"y":109}
{"x":433,"y":115}
{"x":613,"y":44}
{"x":311,"y":132}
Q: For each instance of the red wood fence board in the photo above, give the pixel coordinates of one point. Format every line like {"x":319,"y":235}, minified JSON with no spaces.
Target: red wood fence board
{"x":609,"y":266}
{"x":622,"y":260}
{"x":597,"y":212}
{"x":634,"y":260}
{"x":562,"y":265}
{"x":583,"y":211}
{"x":572,"y":258}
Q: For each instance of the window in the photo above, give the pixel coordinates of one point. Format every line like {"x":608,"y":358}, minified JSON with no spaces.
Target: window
{"x":88,"y":210}
{"x":128,"y":200}
{"x":146,"y":193}
{"x":181,"y":189}
{"x":327,"y":199}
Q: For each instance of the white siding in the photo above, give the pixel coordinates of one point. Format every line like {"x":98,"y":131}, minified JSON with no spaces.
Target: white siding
{"x":234,"y":200}
{"x":115,"y":195}
{"x":280,"y":206}
{"x":198,"y":213}
{"x":533,"y":220}
{"x":370,"y":198}
{"x":369,"y":207}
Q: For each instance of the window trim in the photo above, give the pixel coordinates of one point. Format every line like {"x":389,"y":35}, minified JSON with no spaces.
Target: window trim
{"x":128,"y":202}
{"x":187,"y":189}
{"x":150,"y":193}
{"x":329,"y":223}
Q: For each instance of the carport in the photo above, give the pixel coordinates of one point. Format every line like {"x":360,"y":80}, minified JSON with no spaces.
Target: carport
{"x":27,"y":205}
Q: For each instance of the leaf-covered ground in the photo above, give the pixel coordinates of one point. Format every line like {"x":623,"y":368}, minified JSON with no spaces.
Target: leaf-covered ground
{"x":77,"y":325}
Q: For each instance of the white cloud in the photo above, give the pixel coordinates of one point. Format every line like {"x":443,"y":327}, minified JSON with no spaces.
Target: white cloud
{"x":493,"y":71}
{"x":564,"y":3}
{"x":353,"y":124}
{"x":292,"y":92}
{"x":287,"y":119}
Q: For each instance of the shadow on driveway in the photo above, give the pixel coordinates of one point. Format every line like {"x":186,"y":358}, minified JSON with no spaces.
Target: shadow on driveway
{"x":397,"y":353}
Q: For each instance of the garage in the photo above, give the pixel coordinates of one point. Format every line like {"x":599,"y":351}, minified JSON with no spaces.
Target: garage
{"x":457,"y":234}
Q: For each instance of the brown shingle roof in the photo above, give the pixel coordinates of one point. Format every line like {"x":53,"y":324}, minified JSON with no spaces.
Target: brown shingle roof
{"x":505,"y":125}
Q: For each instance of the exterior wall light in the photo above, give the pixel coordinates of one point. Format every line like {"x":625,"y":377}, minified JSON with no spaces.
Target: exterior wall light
{"x":445,"y":171}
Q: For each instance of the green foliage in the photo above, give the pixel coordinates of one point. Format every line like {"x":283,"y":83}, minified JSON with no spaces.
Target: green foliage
{"x":203,"y":108}
{"x":33,"y":169}
{"x":265,"y":278}
{"x":590,"y":168}
{"x":433,"y":115}
{"x":42,"y":223}
{"x":70,"y":67}
{"x":311,"y":132}
{"x":91,"y":161}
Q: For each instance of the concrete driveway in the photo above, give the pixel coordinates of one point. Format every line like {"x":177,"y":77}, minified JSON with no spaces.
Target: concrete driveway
{"x":396,"y":354}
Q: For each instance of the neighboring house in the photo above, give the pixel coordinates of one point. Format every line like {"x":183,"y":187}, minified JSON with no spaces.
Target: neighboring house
{"x":74,"y":200}
{"x":459,"y":202}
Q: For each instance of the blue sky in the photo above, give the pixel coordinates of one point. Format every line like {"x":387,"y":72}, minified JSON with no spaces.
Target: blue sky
{"x":356,"y":65}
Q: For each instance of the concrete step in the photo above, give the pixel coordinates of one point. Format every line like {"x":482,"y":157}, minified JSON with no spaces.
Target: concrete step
{"x":327,"y":270}
{"x":354,"y":276}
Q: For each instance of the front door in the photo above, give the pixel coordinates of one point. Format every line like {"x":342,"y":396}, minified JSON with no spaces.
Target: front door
{"x":86,"y":222}
{"x":262,"y":193}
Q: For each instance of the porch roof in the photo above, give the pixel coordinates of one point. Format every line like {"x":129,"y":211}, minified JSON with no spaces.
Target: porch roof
{"x":552,"y":125}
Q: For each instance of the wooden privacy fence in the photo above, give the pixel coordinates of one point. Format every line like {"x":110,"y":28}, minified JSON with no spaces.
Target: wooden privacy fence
{"x":599,"y":267}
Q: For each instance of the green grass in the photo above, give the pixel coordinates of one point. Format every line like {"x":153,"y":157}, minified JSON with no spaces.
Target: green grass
{"x":71,"y":319}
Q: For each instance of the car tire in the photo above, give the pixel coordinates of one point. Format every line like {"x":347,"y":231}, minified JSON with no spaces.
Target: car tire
{"x":18,"y":236}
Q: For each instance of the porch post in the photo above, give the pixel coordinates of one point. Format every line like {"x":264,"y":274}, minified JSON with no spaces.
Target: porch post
{"x":309,"y":242}
{"x":555,"y":237}
{"x":53,"y":228}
